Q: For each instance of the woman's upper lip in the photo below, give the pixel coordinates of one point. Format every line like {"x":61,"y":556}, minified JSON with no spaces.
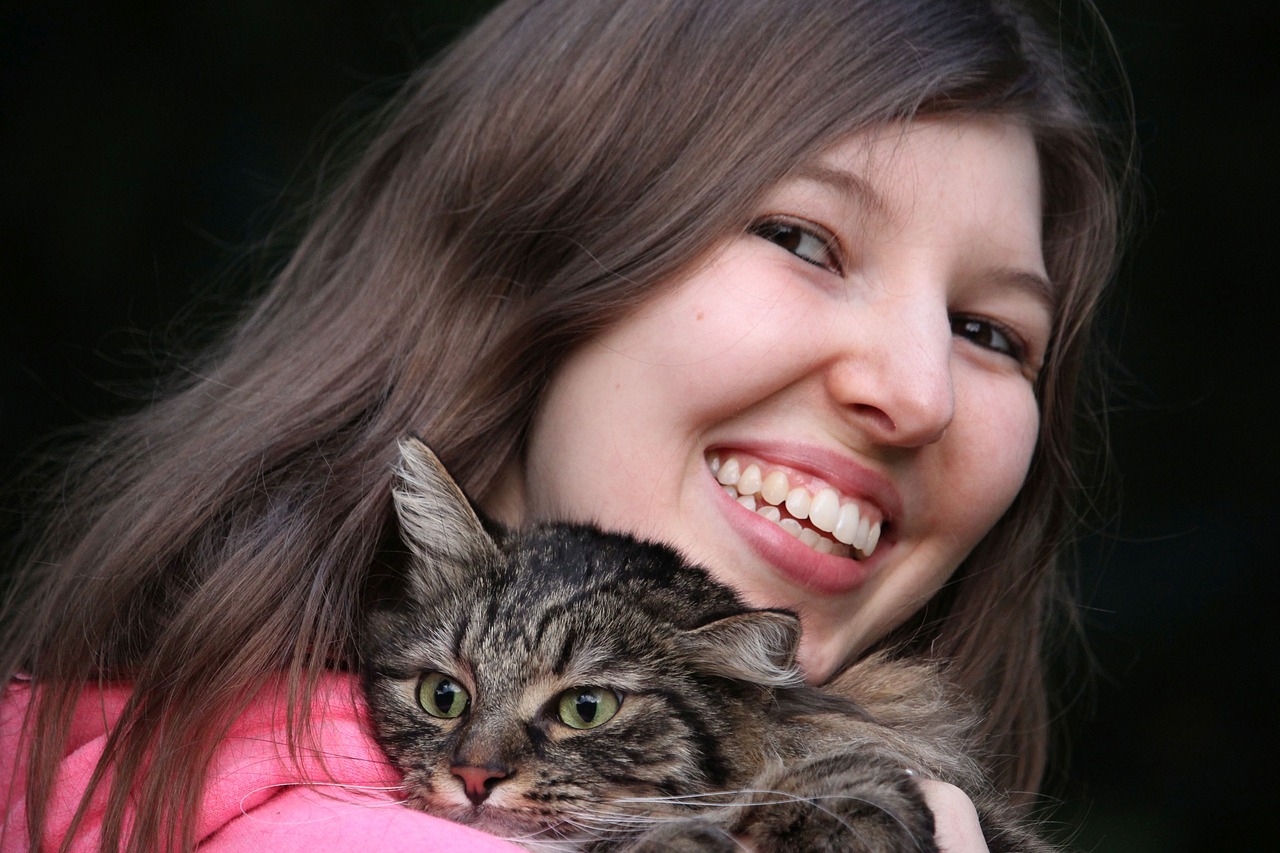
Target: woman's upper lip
{"x":839,"y":470}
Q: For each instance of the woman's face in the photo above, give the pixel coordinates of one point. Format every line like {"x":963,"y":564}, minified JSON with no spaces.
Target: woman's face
{"x":860,"y":361}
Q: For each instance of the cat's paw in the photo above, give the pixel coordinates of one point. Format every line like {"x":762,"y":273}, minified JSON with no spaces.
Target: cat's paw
{"x":835,"y":803}
{"x":692,"y":835}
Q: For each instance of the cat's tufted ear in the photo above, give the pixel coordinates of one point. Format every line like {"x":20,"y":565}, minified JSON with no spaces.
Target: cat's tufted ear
{"x":758,"y":646}
{"x":437,"y":521}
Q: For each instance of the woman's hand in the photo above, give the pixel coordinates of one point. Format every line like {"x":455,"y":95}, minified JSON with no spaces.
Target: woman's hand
{"x":955,"y":818}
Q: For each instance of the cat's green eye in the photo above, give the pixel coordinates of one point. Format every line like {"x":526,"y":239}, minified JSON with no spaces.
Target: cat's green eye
{"x":441,"y":696}
{"x":587,"y":707}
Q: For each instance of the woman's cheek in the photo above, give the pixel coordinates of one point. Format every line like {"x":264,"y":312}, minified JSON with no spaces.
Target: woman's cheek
{"x":1002,"y":445}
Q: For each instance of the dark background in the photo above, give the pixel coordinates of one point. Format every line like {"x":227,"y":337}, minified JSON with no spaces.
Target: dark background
{"x":144,"y":147}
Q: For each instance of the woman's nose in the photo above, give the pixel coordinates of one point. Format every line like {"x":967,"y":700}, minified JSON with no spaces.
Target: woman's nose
{"x":894,"y":375}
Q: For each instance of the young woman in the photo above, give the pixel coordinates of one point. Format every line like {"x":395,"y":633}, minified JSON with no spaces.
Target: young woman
{"x":607,"y":258}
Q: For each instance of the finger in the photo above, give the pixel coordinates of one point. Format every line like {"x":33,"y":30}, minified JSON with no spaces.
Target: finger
{"x":956,"y":820}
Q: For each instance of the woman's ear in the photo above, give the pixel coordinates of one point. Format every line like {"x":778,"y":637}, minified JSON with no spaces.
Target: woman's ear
{"x":442,"y":529}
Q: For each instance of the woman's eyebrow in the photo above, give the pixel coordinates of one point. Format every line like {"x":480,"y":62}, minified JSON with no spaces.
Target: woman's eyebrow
{"x":1032,"y":283}
{"x":846,"y":183}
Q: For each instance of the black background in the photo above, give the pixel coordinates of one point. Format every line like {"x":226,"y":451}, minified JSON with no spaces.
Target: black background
{"x":143,"y":147}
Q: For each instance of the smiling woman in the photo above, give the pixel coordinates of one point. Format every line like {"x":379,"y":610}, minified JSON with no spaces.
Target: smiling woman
{"x":868,"y":345}
{"x":802,"y":288}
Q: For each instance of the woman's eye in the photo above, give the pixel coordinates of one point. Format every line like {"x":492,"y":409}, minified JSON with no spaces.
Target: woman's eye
{"x":587,"y":707}
{"x":989,"y":335}
{"x":806,"y":241}
{"x":441,"y":696}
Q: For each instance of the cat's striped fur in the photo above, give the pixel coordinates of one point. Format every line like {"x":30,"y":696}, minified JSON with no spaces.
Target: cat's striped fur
{"x":715,"y":738}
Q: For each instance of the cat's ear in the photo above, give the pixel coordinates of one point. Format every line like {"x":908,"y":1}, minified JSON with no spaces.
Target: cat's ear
{"x":758,"y":646}
{"x":437,"y":521}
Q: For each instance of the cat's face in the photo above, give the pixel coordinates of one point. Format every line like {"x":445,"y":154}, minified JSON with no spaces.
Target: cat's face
{"x":550,"y":683}
{"x":515,"y":726}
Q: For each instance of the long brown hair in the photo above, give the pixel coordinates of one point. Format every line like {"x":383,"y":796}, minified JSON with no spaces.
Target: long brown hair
{"x":528,"y":189}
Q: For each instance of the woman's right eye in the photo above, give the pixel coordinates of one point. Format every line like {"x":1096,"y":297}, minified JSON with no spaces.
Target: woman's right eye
{"x":441,"y":696}
{"x":808,"y":242}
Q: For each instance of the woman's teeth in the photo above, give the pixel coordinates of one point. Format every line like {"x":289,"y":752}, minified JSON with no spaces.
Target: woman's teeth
{"x":771,"y":496}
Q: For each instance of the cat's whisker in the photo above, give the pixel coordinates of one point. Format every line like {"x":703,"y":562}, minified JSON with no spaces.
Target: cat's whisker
{"x":576,"y":836}
{"x":609,"y":820}
{"x":575,"y":730}
{"x":679,"y":798}
{"x":719,"y":799}
{"x":533,"y":842}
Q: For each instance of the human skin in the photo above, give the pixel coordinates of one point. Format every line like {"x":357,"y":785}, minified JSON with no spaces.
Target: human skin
{"x":877,"y":331}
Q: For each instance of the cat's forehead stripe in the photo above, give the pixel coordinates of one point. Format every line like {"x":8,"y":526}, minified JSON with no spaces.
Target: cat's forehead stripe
{"x":458,"y":638}
{"x":567,"y":645}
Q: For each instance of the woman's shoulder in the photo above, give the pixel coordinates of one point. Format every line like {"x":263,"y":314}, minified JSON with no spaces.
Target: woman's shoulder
{"x":333,"y":791}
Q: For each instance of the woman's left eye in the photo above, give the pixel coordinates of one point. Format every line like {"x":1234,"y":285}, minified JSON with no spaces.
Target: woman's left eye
{"x":989,"y":335}
{"x":808,"y":242}
{"x":587,"y":707}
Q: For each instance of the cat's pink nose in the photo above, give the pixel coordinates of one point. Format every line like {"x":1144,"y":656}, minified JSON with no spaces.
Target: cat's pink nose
{"x":479,"y":782}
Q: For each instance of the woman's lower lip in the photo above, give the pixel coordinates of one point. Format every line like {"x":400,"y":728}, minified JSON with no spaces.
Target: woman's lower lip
{"x":793,"y":561}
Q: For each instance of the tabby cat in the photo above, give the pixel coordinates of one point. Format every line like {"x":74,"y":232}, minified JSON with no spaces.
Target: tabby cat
{"x":578,"y":690}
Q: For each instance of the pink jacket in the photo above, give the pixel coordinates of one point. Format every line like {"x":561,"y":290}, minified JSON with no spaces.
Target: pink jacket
{"x":256,"y":799}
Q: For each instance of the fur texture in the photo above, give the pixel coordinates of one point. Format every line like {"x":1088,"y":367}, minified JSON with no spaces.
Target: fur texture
{"x":497,"y":647}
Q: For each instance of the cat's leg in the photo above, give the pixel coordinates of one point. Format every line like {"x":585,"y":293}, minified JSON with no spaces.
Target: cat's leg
{"x":837,"y":802}
{"x":685,"y":835}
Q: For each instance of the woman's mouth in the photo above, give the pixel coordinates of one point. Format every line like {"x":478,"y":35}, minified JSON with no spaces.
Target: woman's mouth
{"x":820,"y":517}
